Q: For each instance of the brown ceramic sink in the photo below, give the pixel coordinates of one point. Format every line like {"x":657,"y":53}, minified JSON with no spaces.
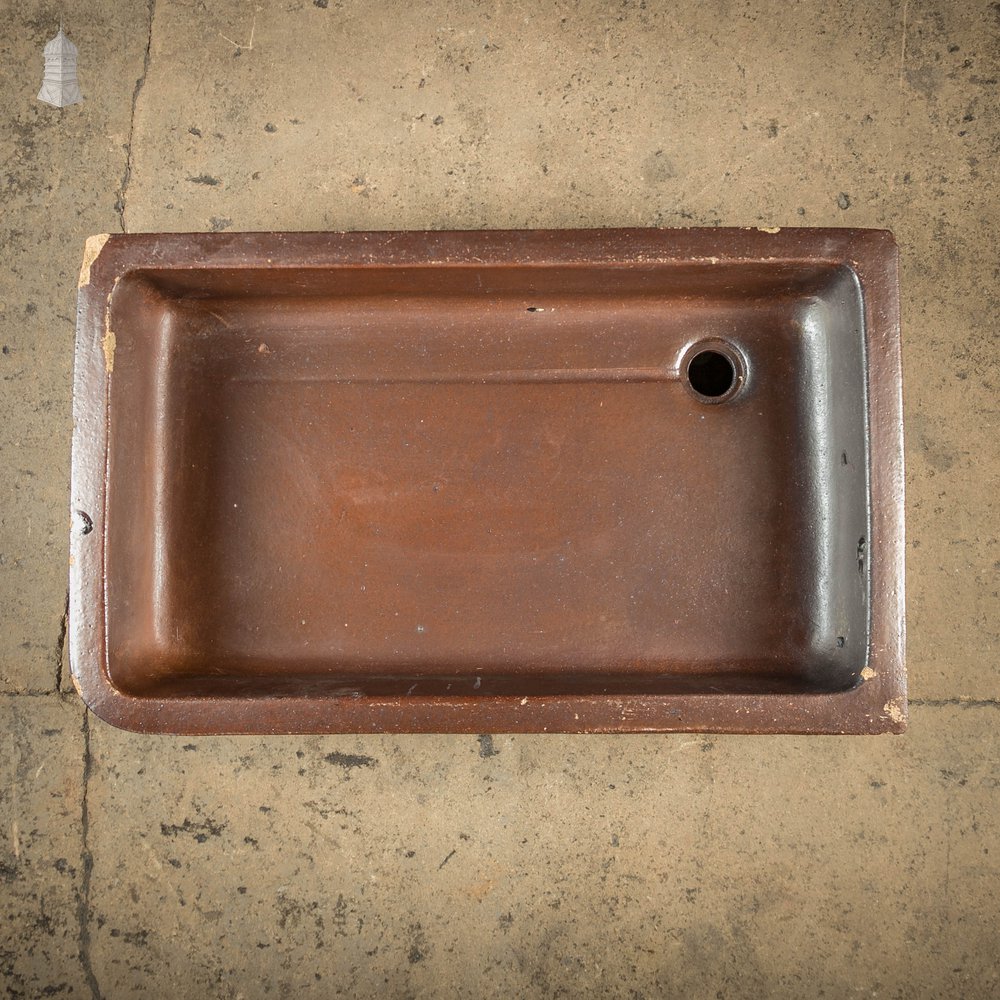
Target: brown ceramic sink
{"x":593,"y":481}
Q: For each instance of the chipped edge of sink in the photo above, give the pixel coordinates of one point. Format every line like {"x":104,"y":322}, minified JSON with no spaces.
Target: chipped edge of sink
{"x":877,"y":705}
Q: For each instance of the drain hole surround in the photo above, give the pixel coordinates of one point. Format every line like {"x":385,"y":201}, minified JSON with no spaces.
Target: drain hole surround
{"x":713,"y":370}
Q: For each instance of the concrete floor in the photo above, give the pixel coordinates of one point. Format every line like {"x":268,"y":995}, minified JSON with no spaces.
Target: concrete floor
{"x":529,"y":866}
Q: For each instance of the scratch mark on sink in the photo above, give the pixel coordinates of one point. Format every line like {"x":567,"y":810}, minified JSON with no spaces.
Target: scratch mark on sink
{"x":108,"y":340}
{"x":893,"y":710}
{"x":108,"y":346}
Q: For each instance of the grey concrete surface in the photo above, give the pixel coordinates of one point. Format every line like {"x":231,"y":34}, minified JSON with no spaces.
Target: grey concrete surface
{"x":62,"y":171}
{"x":42,"y":870}
{"x":528,"y":866}
{"x":641,"y":866}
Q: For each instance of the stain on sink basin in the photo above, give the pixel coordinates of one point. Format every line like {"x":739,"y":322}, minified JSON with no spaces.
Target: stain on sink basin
{"x":585,"y":481}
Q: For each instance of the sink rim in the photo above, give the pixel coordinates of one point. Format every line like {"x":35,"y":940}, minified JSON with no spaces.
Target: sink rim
{"x":878,"y":704}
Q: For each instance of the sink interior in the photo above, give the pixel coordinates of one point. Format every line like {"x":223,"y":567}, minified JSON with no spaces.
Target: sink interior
{"x":407,"y":481}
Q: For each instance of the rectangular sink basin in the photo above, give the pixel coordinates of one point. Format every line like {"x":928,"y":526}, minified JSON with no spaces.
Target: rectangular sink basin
{"x":570,"y":481}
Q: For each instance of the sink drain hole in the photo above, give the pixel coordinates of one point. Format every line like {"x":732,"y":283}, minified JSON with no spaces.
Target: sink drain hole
{"x":711,"y":373}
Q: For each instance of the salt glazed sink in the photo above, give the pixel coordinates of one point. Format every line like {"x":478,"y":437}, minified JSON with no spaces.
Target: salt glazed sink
{"x":595,"y":481}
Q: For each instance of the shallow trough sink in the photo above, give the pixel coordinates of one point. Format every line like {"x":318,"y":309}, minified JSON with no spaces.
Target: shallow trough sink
{"x":620,"y":480}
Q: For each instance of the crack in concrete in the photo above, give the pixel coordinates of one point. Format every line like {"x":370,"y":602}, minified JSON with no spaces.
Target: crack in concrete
{"x":139,"y":83}
{"x":61,"y":642}
{"x":964,"y":701}
{"x":67,"y":696}
{"x":87,"y":866}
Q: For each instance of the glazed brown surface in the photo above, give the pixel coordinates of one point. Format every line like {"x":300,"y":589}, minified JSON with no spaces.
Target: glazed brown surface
{"x":463,"y":481}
